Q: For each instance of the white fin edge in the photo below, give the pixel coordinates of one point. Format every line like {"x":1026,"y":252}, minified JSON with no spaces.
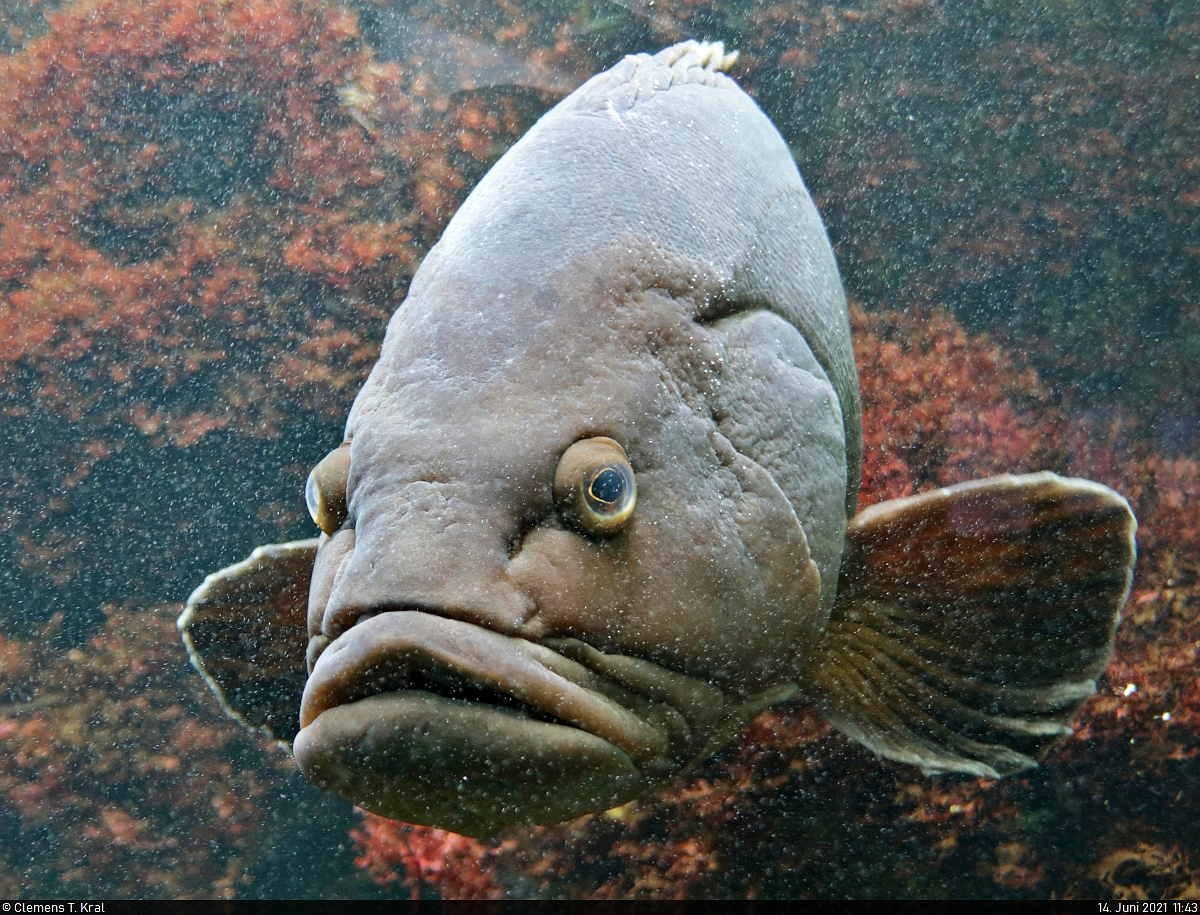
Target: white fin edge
{"x":210,"y":589}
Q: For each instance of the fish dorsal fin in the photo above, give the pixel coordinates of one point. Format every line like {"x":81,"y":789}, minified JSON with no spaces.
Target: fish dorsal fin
{"x":246,"y":631}
{"x":971,"y":622}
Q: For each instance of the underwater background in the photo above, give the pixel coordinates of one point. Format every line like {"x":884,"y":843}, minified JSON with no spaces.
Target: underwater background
{"x":208,"y":210}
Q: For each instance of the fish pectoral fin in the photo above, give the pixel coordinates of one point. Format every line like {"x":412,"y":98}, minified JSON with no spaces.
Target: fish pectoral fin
{"x":246,"y":631}
{"x":971,"y":622}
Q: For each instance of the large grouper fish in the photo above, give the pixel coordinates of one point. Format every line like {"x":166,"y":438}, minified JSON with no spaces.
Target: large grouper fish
{"x":595,"y":506}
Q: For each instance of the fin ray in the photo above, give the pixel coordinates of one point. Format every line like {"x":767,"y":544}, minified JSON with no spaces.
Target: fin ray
{"x":972,"y":621}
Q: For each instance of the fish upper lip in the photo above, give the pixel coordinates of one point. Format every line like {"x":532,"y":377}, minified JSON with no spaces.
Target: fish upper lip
{"x":401,"y":650}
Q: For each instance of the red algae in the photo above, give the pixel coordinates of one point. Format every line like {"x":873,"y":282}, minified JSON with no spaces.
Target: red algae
{"x":941,"y":407}
{"x":123,"y":234}
{"x":185,"y":188}
{"x":201,"y":237}
{"x":103,"y":746}
{"x":417,"y":856}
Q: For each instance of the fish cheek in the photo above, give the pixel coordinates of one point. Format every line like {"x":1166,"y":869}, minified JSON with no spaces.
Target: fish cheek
{"x":782,"y":601}
{"x":728,"y":588}
{"x":718,"y":585}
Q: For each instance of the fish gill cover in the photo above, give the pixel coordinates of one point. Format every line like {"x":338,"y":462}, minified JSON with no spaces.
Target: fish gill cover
{"x":208,"y":212}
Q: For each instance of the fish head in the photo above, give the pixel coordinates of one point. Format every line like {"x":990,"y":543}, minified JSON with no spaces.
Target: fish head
{"x":556,"y":580}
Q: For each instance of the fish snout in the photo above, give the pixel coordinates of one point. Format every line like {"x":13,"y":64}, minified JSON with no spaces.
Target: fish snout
{"x":457,"y":574}
{"x":417,"y":716}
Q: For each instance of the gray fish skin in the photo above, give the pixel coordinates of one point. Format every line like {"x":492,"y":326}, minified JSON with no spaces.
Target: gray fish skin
{"x":664,"y":150}
{"x":646,"y":265}
{"x":646,"y":158}
{"x":638,"y":306}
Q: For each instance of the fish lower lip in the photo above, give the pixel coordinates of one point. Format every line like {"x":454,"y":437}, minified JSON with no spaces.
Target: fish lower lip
{"x":411,"y":651}
{"x":436,"y":721}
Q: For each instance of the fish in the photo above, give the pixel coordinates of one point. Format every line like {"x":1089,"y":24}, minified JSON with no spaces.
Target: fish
{"x":458,"y":63}
{"x":596,"y":504}
{"x":449,"y":63}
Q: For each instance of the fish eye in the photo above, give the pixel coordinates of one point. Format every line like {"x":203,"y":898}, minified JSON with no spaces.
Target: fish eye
{"x":594,"y":487}
{"x":325,"y":491}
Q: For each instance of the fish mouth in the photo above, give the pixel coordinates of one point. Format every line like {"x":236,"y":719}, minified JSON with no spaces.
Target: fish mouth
{"x":437,"y":721}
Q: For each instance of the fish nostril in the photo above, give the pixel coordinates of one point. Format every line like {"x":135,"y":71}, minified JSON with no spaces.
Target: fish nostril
{"x":516,"y":542}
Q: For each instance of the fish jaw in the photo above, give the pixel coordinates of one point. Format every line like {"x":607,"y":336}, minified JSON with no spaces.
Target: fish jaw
{"x":420,"y":758}
{"x":441,"y":722}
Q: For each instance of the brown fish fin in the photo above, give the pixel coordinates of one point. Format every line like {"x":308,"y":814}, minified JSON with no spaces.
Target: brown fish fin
{"x":971,"y":622}
{"x":246,"y":631}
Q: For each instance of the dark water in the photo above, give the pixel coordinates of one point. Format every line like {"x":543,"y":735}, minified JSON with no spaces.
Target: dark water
{"x":209,"y":214}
